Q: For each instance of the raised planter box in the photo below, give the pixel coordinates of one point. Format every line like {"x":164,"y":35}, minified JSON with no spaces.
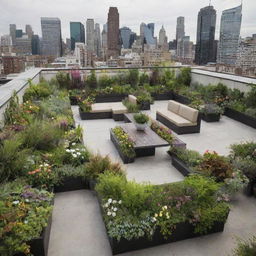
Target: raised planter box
{"x":250,"y":189}
{"x":144,"y":105}
{"x":180,"y":165}
{"x":73,"y":100}
{"x":162,"y":96}
{"x":210,"y":117}
{"x":183,"y":231}
{"x":181,"y":99}
{"x":92,"y":116}
{"x":70,"y":184}
{"x":125,"y":159}
{"x":240,"y":117}
{"x":110,"y":98}
{"x":39,"y":246}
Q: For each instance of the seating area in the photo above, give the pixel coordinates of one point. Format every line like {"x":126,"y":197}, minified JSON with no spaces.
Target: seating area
{"x":180,"y":118}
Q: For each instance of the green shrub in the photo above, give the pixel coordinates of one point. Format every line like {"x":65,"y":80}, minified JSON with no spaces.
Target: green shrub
{"x":131,"y":107}
{"x":141,"y":118}
{"x":155,"y":77}
{"x":13,"y":159}
{"x":251,"y":97}
{"x":245,"y":247}
{"x":133,"y":77}
{"x":244,"y":150}
{"x":63,"y":80}
{"x":184,"y":77}
{"x":67,"y":171}
{"x":105,"y":81}
{"x":42,"y":136}
{"x":91,"y":80}
{"x":144,"y":79}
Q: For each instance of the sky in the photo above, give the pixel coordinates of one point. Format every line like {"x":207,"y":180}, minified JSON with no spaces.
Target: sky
{"x":132,"y":13}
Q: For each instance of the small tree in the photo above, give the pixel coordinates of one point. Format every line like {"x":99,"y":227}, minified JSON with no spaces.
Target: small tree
{"x":133,"y":77}
{"x":144,"y":79}
{"x":92,"y":80}
{"x":105,"y":81}
{"x":184,"y":77}
{"x":63,"y":80}
{"x":155,"y":77}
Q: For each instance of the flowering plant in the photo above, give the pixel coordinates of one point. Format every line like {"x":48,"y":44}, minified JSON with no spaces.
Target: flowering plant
{"x":111,"y":207}
{"x":164,"y":132}
{"x":126,"y":143}
{"x":86,"y":105}
{"x":77,"y":154}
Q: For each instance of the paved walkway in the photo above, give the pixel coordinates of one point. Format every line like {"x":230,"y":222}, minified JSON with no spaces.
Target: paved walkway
{"x":77,"y":227}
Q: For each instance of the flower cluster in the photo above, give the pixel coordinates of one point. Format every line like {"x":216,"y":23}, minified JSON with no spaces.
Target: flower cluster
{"x":45,"y":167}
{"x":30,"y":108}
{"x":126,"y":143}
{"x":111,"y":207}
{"x":86,"y":105}
{"x":164,"y":132}
{"x":77,"y":153}
{"x":163,"y":214}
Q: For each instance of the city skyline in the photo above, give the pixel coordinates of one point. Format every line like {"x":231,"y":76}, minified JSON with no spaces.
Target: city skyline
{"x":152,"y":12}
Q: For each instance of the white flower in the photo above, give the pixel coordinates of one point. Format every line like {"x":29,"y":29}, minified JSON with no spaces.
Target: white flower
{"x":153,"y":219}
{"x":120,"y":201}
{"x":25,"y":221}
{"x":73,"y":144}
{"x":26,"y":200}
{"x":16,"y":202}
{"x":78,"y":153}
{"x":72,"y":150}
{"x":165,"y":207}
{"x":108,"y":213}
{"x":114,"y":201}
{"x":106,"y":205}
{"x":68,"y":150}
{"x":115,"y":209}
{"x":109,"y":200}
{"x":113,"y":214}
{"x":83,"y":149}
{"x":74,"y":155}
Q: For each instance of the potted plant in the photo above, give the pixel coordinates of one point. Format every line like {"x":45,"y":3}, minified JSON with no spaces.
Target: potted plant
{"x":211,"y":112}
{"x":141,"y":121}
{"x":144,"y":100}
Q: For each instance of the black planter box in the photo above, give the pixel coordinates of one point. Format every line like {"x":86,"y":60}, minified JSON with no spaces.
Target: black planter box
{"x":180,"y":165}
{"x":73,"y":100}
{"x":249,"y":190}
{"x":144,"y":105}
{"x":125,"y":159}
{"x":211,"y":117}
{"x":183,"y":231}
{"x":181,"y":99}
{"x":110,"y":98}
{"x":92,"y":116}
{"x":241,"y":117}
{"x":162,"y":96}
{"x":39,"y":246}
{"x":70,"y":184}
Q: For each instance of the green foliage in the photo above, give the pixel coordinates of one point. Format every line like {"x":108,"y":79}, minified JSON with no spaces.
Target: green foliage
{"x":13,"y":159}
{"x":25,"y":212}
{"x":67,"y":171}
{"x":133,"y":77}
{"x":144,"y":79}
{"x":184,"y":77}
{"x":140,"y":118}
{"x":105,"y":81}
{"x":251,"y":112}
{"x":211,"y":109}
{"x":63,"y":80}
{"x":245,"y":247}
{"x":74,"y":135}
{"x":37,"y":92}
{"x":244,"y":150}
{"x":251,"y":97}
{"x":91,"y":80}
{"x":42,"y":135}
{"x":131,"y":107}
{"x":100,"y":164}
{"x":155,"y":77}
{"x":86,"y":105}
{"x":164,"y":132}
{"x":143,"y":96}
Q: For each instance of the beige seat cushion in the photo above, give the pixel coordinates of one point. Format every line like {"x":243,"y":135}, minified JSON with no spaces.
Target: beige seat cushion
{"x":176,"y":119}
{"x":188,"y":113}
{"x":118,"y":108}
{"x":101,"y":107}
{"x":173,"y":106}
{"x":132,"y":99}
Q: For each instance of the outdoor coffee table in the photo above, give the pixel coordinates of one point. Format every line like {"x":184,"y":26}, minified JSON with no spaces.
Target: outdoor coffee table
{"x":128,"y":118}
{"x":145,"y":141}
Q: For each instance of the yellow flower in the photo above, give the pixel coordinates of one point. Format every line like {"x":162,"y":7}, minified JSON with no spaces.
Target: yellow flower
{"x":156,"y":215}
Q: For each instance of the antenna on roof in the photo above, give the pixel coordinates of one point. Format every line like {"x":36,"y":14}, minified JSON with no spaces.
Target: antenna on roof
{"x":211,"y":2}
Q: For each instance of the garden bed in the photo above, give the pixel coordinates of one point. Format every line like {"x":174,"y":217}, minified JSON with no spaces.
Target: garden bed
{"x":71,"y":184}
{"x":180,"y":165}
{"x":125,"y":159}
{"x":162,"y":96}
{"x":73,"y":100}
{"x":211,"y":117}
{"x":110,"y":98}
{"x":180,"y":98}
{"x":144,"y":106}
{"x":240,"y":117}
{"x":92,"y":116}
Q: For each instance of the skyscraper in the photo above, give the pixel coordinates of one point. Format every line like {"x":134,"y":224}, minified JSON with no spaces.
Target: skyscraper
{"x":77,"y":34}
{"x":113,"y":33}
{"x":35,"y":42}
{"x":229,"y":35}
{"x":51,"y":36}
{"x":13,"y":33}
{"x":205,"y":44}
{"x":146,"y":34}
{"x":104,"y":37}
{"x":125,"y":36}
{"x":180,"y":28}
{"x":97,"y":39}
{"x":162,"y":36}
{"x":29,"y":31}
{"x":90,"y":35}
{"x":151,"y":26}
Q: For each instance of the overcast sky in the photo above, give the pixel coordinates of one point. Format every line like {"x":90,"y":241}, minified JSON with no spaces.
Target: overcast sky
{"x":132,"y":13}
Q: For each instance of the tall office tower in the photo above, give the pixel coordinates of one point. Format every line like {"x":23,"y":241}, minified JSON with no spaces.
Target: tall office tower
{"x":13,"y":33}
{"x":180,"y":28}
{"x":205,"y":44}
{"x":51,"y":36}
{"x":81,"y":54}
{"x":125,"y":33}
{"x":6,"y":40}
{"x":35,"y":42}
{"x":19,"y":33}
{"x":162,"y":36}
{"x":90,"y":35}
{"x":113,"y":33}
{"x":151,"y":26}
{"x":77,"y":33}
{"x":97,"y":39}
{"x":133,"y":37}
{"x":104,"y":44}
{"x":229,"y":35}
{"x":29,"y":31}
{"x":146,"y":34}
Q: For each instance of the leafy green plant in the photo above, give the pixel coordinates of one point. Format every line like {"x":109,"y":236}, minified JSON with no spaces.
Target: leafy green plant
{"x":141,"y":118}
{"x":63,"y":80}
{"x":164,"y":132}
{"x":126,"y":144}
{"x":143,"y":96}
{"x":105,"y":81}
{"x":211,"y":109}
{"x":133,"y":77}
{"x":91,"y":80}
{"x":184,"y":77}
{"x":86,"y":105}
{"x":144,"y":79}
{"x":131,"y":107}
{"x":100,"y":164}
{"x":245,"y":247}
{"x":243,"y":150}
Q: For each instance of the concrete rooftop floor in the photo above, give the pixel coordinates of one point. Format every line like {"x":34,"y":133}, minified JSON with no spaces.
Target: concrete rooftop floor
{"x":77,"y":227}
